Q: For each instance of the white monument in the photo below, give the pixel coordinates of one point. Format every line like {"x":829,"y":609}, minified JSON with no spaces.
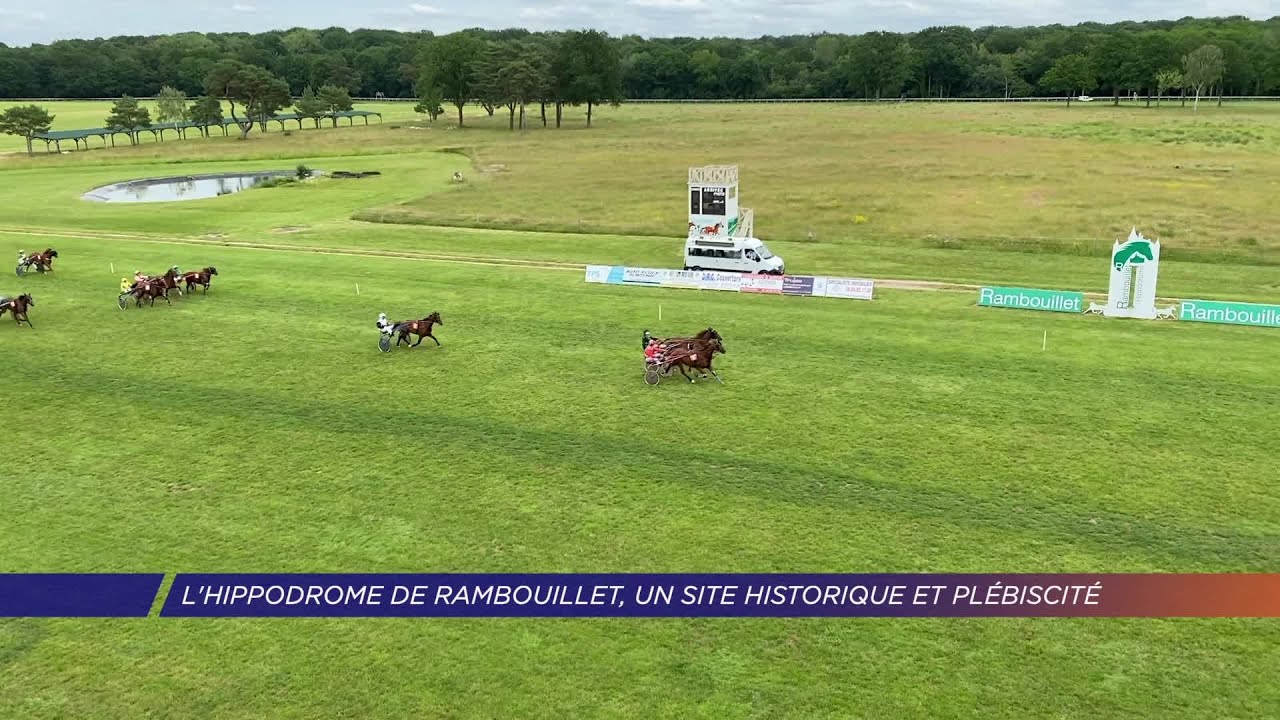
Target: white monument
{"x":1134,"y":266}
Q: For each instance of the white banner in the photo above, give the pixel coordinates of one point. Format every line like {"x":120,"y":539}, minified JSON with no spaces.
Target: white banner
{"x":644,"y":276}
{"x":730,"y":282}
{"x":597,"y":273}
{"x":683,"y":279}
{"x":770,"y":284}
{"x":853,"y":288}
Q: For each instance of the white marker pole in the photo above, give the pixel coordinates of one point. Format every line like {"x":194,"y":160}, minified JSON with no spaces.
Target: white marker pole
{"x":357,"y":288}
{"x":113,"y":268}
{"x":659,"y":313}
{"x":1045,"y":343}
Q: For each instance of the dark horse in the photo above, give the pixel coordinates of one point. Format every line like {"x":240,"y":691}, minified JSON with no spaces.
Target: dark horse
{"x":199,"y":277}
{"x":42,"y":261}
{"x":150,"y":290}
{"x":696,"y":354}
{"x":168,"y":281}
{"x":421,"y":328}
{"x":18,"y":306}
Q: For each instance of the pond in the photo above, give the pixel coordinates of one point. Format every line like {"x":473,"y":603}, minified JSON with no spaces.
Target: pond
{"x":187,"y":187}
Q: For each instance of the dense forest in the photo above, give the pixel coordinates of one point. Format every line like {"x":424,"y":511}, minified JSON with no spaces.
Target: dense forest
{"x":1105,"y":60}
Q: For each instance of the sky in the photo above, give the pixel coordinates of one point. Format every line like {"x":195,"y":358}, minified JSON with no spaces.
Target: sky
{"x":23,"y":22}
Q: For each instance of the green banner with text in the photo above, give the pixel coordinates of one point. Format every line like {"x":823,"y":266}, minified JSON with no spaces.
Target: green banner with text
{"x":1031,"y":299}
{"x":1231,"y":313}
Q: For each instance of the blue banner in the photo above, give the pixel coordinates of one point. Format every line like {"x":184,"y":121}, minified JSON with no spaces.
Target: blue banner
{"x":78,"y":595}
{"x":631,"y":595}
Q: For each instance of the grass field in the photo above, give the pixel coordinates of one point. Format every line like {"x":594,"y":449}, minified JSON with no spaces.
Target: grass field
{"x":259,"y":429}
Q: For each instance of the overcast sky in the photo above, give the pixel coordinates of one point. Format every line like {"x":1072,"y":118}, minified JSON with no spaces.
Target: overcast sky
{"x":23,"y":22}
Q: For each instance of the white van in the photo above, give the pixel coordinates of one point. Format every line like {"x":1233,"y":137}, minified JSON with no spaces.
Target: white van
{"x":730,"y":254}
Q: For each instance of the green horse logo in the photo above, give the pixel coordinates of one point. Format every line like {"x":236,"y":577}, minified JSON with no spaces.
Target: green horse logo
{"x":1134,"y":252}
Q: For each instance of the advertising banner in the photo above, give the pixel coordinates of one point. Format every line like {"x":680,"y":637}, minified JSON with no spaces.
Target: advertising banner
{"x":728,"y":282}
{"x":1230,"y":313}
{"x":797,"y":285}
{"x":853,"y":288}
{"x":769,"y":284}
{"x":1031,"y":299}
{"x":683,"y":279}
{"x":598,"y":273}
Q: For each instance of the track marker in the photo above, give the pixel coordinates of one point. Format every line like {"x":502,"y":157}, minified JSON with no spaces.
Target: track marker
{"x":1045,"y":343}
{"x":659,"y":313}
{"x":357,"y":288}
{"x":113,"y":268}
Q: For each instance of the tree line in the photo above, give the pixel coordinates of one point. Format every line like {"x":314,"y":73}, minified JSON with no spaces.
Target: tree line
{"x":1105,"y":59}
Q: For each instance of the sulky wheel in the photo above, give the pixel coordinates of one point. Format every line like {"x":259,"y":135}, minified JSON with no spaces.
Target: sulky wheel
{"x":123,"y":301}
{"x":651,"y":376}
{"x":384,"y":343}
{"x":20,"y":270}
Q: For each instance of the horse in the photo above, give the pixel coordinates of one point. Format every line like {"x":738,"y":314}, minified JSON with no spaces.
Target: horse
{"x":199,"y":277}
{"x":697,"y":354}
{"x":18,"y":306}
{"x":42,"y":261}
{"x":150,"y":289}
{"x":421,"y":328}
{"x":168,"y":281}
{"x":707,"y":334}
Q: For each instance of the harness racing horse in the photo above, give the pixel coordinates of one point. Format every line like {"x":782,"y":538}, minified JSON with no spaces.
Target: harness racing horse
{"x":18,"y":306}
{"x":149,"y":289}
{"x":199,"y":277}
{"x":41,"y":261}
{"x":697,"y":354}
{"x":168,"y":281}
{"x":421,"y":328}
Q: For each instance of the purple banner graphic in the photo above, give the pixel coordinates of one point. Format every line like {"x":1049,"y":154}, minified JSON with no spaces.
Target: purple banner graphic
{"x":718,"y":595}
{"x":797,"y":285}
{"x":78,"y":595}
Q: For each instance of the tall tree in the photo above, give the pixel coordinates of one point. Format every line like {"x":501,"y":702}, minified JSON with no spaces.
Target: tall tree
{"x":25,"y":121}
{"x":1165,"y":80}
{"x":205,"y":112}
{"x":1069,"y":74}
{"x":451,"y":62}
{"x":335,"y":99}
{"x":259,"y":92}
{"x":1201,"y":68}
{"x":877,"y":64}
{"x":594,"y":70}
{"x":171,"y":105}
{"x":128,"y":116}
{"x":310,"y":106}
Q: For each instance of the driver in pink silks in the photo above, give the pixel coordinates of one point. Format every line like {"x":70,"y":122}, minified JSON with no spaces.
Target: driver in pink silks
{"x":651,"y":353}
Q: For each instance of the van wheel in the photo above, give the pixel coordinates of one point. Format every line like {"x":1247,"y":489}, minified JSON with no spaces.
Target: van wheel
{"x":695,"y":268}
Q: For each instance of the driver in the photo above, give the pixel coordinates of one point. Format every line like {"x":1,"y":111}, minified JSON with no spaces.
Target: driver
{"x":125,"y":285}
{"x":383,"y":326}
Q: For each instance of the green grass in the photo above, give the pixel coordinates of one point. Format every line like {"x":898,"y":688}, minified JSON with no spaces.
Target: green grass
{"x":259,"y":429}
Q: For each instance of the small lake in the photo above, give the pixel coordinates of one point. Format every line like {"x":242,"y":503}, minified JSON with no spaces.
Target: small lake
{"x":187,"y":187}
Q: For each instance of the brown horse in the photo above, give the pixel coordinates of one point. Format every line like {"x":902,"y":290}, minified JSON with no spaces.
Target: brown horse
{"x":168,"y":281}
{"x":42,"y":261}
{"x":18,"y":306}
{"x":421,"y":328}
{"x":199,"y":277}
{"x":150,"y":290}
{"x":696,"y":354}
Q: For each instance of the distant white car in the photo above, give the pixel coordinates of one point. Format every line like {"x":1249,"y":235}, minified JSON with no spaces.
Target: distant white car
{"x":1084,"y":98}
{"x":730,"y":254}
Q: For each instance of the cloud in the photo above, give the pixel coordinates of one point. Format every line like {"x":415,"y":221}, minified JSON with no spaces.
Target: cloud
{"x":21,"y":15}
{"x":420,"y":9}
{"x":668,"y":4}
{"x":241,"y":8}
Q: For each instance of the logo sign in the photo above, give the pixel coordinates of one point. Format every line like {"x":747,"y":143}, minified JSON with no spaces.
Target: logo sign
{"x":682,"y":279}
{"x":854,"y":288}
{"x":797,"y":285}
{"x":1230,"y":313}
{"x":643,"y":276}
{"x":1031,"y":299}
{"x":770,"y":284}
{"x":616,"y":275}
{"x":1134,"y":266}
{"x":731,"y":282}
{"x":598,"y":273}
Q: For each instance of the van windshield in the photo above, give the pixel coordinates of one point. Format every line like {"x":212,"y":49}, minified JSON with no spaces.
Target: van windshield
{"x":764,"y":252}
